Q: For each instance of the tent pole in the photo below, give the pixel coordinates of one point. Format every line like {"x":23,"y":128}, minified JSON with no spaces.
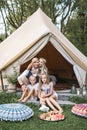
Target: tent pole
{"x":1,"y":81}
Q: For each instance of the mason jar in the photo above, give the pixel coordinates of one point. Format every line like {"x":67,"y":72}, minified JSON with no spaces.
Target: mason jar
{"x":73,"y":89}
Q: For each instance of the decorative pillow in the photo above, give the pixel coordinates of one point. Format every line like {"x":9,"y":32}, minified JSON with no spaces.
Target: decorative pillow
{"x":80,"y":109}
{"x":15,"y":112}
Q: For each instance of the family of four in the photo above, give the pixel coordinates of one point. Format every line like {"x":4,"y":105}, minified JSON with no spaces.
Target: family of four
{"x":37,"y":84}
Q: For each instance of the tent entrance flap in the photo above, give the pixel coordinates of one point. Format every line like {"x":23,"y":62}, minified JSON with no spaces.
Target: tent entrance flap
{"x":56,"y":63}
{"x":34,"y":50}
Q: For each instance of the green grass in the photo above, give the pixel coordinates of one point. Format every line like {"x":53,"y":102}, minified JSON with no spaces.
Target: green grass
{"x":81,"y":99}
{"x":71,"y":122}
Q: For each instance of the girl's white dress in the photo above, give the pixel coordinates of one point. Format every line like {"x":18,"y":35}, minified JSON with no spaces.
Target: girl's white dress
{"x":35,"y":87}
{"x":47,"y":88}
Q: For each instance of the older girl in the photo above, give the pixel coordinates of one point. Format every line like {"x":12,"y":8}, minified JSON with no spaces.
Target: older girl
{"x":47,"y":95}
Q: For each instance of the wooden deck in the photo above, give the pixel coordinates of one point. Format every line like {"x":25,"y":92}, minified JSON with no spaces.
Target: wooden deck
{"x":64,"y":86}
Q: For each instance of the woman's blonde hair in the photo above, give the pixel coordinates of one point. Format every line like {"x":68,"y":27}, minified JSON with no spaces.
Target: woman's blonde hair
{"x":44,"y":68}
{"x":44,"y":60}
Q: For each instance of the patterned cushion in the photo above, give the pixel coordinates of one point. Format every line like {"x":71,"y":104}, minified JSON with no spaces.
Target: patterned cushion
{"x":80,"y":109}
{"x":15,"y":112}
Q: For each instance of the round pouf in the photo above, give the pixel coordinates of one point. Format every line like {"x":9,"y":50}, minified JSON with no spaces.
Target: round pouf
{"x":80,"y":109}
{"x":15,"y":112}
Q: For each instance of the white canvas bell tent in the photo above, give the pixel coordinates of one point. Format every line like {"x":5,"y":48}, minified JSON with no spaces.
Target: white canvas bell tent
{"x":38,"y":36}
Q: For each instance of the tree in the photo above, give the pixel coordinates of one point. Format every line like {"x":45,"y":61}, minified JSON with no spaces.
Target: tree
{"x":76,"y":28}
{"x":67,"y":7}
{"x":16,"y":12}
{"x":3,"y":17}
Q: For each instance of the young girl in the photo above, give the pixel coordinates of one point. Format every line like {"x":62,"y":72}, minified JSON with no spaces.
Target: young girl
{"x":30,"y":90}
{"x":47,"y":95}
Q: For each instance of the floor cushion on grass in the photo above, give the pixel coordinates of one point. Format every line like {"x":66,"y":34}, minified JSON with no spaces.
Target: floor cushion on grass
{"x":15,"y":112}
{"x":80,"y":109}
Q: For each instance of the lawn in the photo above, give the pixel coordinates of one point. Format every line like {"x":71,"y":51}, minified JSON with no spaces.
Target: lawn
{"x":71,"y":122}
